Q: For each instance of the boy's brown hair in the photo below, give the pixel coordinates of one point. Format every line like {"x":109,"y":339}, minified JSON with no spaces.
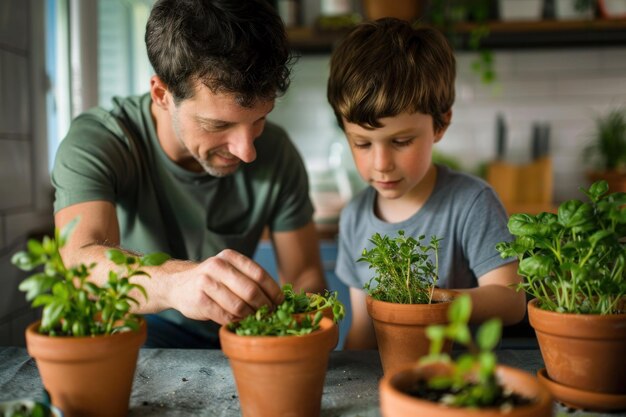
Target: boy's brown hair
{"x":387,"y":67}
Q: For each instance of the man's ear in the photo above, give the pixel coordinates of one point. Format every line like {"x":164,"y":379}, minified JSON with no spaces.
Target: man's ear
{"x":447,"y":118}
{"x":159,"y":93}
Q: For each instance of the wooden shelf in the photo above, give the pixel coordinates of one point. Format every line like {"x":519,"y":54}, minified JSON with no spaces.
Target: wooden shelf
{"x":503,"y":35}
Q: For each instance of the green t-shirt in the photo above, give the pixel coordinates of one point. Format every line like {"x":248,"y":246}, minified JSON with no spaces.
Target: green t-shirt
{"x":114,"y":155}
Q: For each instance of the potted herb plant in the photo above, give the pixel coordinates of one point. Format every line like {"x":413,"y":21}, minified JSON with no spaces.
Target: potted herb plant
{"x":87,"y":341}
{"x":279,"y":358}
{"x":402,"y":296}
{"x":607,"y":150}
{"x":573,"y":265}
{"x":471,"y":384}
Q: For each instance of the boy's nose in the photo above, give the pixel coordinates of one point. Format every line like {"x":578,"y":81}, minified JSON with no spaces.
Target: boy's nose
{"x":383,"y":162}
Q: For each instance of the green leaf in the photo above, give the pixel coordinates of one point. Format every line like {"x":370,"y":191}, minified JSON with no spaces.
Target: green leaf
{"x":116,"y":256}
{"x":154,"y":259}
{"x":460,"y":309}
{"x":66,"y":232}
{"x":489,"y":334}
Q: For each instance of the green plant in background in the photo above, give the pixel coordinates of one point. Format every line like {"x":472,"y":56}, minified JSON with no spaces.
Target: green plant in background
{"x":404,"y":271}
{"x":608,"y":146}
{"x":447,"y":14}
{"x":472,"y":381}
{"x":573,"y":261}
{"x":288,"y":318}
{"x":72,"y":305}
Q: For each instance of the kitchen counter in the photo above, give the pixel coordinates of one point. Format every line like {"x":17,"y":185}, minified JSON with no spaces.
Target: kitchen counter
{"x":173,"y":382}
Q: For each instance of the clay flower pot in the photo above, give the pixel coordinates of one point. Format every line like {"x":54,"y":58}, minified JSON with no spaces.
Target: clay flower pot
{"x":394,"y":402}
{"x":87,"y":376}
{"x":401,"y":328}
{"x":584,"y":351}
{"x":280,"y":375}
{"x":402,"y":9}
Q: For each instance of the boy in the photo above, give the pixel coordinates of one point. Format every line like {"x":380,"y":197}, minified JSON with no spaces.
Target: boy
{"x":391,"y":87}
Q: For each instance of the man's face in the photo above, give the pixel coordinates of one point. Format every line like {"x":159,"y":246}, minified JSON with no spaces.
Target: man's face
{"x":215,"y":134}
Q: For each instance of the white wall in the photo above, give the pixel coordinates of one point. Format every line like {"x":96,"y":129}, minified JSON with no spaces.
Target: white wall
{"x":25,"y":191}
{"x":564,"y":87}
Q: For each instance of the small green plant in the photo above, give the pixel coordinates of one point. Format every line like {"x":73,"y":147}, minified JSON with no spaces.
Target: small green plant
{"x":290,"y":318}
{"x":472,"y":381}
{"x":25,"y":409}
{"x":405,"y":273}
{"x":608,"y":141}
{"x":573,"y":261}
{"x":72,"y":305}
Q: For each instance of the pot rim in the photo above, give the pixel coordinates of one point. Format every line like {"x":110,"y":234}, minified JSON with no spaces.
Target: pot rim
{"x":543,"y":398}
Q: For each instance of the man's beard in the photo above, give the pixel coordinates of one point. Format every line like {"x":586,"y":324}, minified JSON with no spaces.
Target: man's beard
{"x":217,"y":172}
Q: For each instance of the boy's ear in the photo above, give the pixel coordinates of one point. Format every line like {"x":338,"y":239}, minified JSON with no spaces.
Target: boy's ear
{"x":447,"y":118}
{"x":158,"y":92}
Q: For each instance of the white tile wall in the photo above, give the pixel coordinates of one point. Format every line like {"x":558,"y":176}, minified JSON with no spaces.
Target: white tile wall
{"x":22,"y":182}
{"x":16,"y":173}
{"x":14,"y":100}
{"x":566,"y":88}
{"x":13,"y":21}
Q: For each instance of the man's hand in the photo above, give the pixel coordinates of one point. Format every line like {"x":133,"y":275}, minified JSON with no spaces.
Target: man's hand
{"x":223,"y":288}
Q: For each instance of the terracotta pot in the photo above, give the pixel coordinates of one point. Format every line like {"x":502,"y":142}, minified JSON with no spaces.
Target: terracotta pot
{"x":280,"y":376}
{"x":401,"y":328}
{"x":87,"y":376}
{"x":402,"y":9}
{"x":394,"y":402}
{"x":583,"y":351}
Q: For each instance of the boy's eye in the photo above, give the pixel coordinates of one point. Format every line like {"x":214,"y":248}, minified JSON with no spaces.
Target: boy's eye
{"x":361,"y":145}
{"x":402,"y":142}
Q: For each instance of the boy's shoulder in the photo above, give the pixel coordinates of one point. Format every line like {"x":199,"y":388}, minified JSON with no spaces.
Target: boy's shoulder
{"x":461,"y":182}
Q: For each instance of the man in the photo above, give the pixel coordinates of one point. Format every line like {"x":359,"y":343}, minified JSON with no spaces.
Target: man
{"x":193,"y":169}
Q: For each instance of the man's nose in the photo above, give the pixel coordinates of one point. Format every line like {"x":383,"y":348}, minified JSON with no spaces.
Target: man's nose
{"x":242,"y":145}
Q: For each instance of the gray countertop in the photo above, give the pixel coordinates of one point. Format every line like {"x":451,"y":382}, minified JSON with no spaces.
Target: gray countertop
{"x":172,"y":382}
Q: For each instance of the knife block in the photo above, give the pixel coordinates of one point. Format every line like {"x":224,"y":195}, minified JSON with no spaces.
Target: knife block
{"x":523,"y":188}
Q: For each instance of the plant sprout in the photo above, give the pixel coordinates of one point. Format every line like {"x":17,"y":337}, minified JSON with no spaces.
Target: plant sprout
{"x":72,"y":305}
{"x":404,"y":272}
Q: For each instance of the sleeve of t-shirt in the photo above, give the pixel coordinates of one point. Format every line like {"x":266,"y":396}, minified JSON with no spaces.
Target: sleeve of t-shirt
{"x":485,"y":226}
{"x":90,"y":164}
{"x":294,"y":208}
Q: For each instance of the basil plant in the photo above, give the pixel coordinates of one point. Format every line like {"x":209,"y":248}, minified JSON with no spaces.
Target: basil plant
{"x":573,"y":261}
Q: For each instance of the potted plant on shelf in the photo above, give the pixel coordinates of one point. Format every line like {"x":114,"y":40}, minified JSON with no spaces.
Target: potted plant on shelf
{"x":608,"y":150}
{"x":402,"y":298}
{"x":87,"y":341}
{"x":471,"y":384}
{"x":279,"y":358}
{"x":573,"y":265}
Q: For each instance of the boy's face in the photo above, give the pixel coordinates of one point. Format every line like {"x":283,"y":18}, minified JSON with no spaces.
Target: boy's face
{"x":395,"y":158}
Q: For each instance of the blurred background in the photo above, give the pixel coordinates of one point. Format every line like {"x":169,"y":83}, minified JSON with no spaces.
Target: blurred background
{"x":541,"y":84}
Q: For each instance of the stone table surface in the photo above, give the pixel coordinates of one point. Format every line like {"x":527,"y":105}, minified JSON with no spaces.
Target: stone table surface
{"x":176,"y":382}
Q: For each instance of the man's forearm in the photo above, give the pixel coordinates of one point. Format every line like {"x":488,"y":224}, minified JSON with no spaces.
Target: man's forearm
{"x":156,"y":285}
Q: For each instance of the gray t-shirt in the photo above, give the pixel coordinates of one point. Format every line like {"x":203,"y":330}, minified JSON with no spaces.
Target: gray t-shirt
{"x":462,"y":209}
